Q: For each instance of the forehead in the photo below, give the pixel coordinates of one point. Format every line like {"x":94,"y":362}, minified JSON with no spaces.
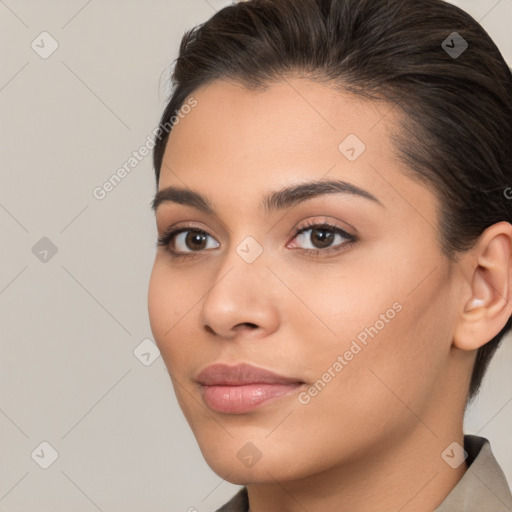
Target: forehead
{"x":280,"y":118}
{"x":239,"y":141}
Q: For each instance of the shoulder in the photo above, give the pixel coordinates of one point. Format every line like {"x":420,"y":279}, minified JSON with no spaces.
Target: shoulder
{"x":484,"y":485}
{"x":238,"y":503}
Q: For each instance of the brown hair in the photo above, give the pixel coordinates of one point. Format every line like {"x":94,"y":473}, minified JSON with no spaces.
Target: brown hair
{"x":457,"y":128}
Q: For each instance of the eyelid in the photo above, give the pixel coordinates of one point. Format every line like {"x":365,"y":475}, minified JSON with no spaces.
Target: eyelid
{"x":311,"y":223}
{"x":185,"y":226}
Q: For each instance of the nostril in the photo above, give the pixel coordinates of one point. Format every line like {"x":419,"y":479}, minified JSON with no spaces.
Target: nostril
{"x":239,"y":327}
{"x":245,"y":325}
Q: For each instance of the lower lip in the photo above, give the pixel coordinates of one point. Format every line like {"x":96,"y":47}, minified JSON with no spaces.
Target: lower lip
{"x":240,"y":399}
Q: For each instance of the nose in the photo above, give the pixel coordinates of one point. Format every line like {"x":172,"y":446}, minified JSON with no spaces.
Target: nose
{"x":241,"y":300}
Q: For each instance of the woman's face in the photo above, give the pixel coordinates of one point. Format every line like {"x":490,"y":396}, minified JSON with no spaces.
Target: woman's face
{"x":360,"y":319}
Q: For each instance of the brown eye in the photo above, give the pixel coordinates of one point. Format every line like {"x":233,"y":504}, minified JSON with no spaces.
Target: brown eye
{"x":320,"y":237}
{"x":195,"y":240}
{"x":182,"y":241}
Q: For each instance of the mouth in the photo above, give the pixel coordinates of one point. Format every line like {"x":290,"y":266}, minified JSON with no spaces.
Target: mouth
{"x":242,"y":388}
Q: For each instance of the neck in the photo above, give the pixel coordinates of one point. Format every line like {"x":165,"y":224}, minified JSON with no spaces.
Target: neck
{"x":407,"y":474}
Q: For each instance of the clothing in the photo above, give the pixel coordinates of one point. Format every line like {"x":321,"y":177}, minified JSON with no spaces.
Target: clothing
{"x":483,"y":487}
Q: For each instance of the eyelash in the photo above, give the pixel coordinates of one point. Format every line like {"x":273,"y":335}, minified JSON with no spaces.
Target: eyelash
{"x":165,"y":240}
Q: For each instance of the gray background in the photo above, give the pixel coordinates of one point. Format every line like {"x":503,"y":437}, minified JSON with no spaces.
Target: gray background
{"x":70,"y":324}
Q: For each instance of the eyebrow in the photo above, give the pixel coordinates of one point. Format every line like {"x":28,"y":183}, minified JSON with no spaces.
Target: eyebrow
{"x":277,"y":200}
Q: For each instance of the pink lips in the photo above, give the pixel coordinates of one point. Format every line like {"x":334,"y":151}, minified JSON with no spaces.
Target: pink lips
{"x":239,"y":389}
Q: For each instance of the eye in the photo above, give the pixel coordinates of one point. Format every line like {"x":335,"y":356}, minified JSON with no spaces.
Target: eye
{"x":183,"y":241}
{"x":319,"y":238}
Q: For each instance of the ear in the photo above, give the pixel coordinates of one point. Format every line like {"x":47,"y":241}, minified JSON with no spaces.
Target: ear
{"x":487,"y":305}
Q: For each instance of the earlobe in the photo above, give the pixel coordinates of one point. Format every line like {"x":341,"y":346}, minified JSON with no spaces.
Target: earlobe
{"x":489,"y":275}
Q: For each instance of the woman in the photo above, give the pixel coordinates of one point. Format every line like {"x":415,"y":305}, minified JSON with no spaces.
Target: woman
{"x":334,"y":269}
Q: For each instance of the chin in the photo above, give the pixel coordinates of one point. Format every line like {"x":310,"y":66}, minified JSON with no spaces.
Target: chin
{"x":237,"y":474}
{"x":240,"y":461}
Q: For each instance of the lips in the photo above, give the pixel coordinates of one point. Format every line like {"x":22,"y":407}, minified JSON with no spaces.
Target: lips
{"x":241,"y":388}
{"x":221,"y":374}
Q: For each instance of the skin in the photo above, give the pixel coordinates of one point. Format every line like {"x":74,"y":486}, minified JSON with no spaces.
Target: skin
{"x":372,"y":439}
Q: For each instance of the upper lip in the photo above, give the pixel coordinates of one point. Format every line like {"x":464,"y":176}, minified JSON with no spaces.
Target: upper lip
{"x":225,"y":375}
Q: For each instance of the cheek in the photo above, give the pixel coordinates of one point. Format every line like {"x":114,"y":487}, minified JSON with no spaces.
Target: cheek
{"x":368,"y":394}
{"x":169,"y":311}
{"x":160,"y":316}
{"x":396,"y":355}
{"x":175,"y":297}
{"x":391,"y":329}
{"x":168,"y":307}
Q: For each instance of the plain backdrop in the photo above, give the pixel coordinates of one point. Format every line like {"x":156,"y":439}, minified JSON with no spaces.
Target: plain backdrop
{"x":74,"y":269}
